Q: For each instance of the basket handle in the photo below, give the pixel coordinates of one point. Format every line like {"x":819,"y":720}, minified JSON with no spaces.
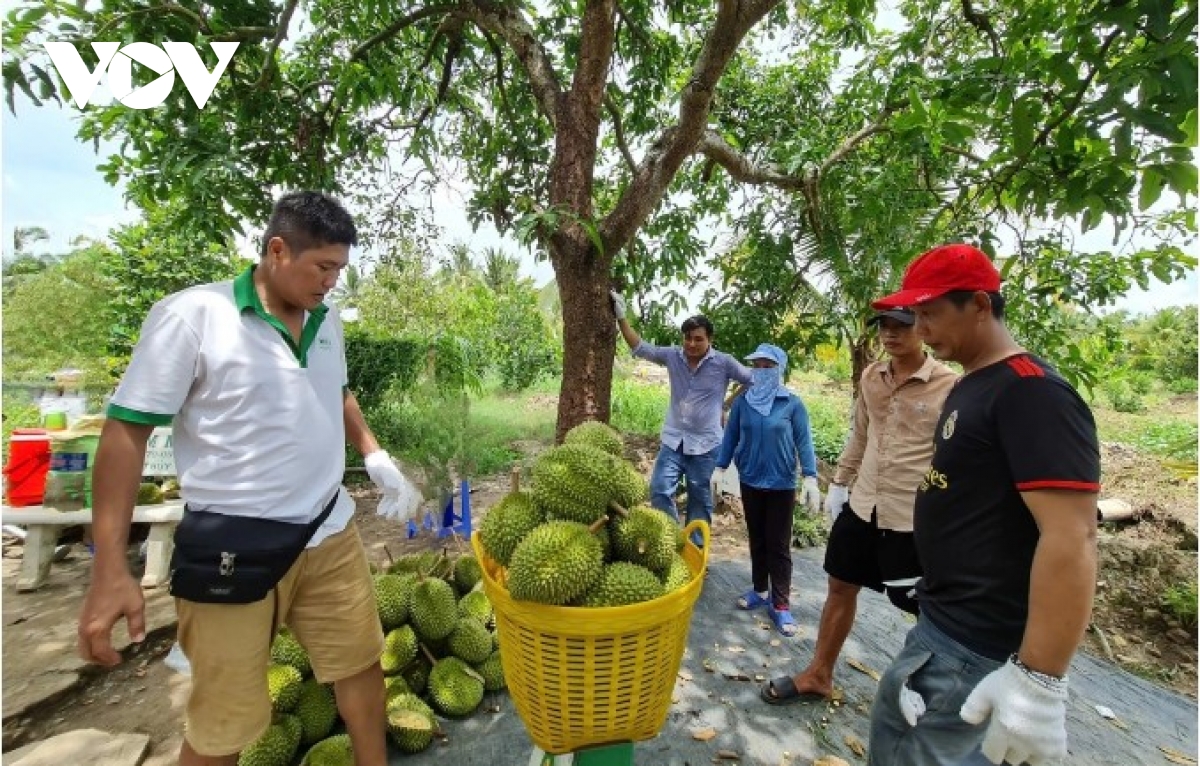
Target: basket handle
{"x":702,"y":527}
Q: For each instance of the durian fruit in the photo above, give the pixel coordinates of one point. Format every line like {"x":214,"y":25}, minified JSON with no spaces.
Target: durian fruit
{"x":593,"y":433}
{"x":433,"y":609}
{"x":316,"y":710}
{"x":492,"y":672}
{"x":678,"y":575}
{"x":467,"y":573}
{"x":475,"y":604}
{"x":645,"y":537}
{"x":393,"y":685}
{"x":283,"y":686}
{"x":333,"y":751}
{"x":507,"y":523}
{"x":624,"y":583}
{"x":555,"y":563}
{"x":149,"y":493}
{"x":286,"y":650}
{"x":630,"y":488}
{"x":294,"y":729}
{"x":454,"y":687}
{"x":392,"y":592}
{"x":471,"y":642}
{"x":421,"y":563}
{"x":276,"y":747}
{"x":416,"y":675}
{"x":562,"y":492}
{"x":410,"y":723}
{"x":399,"y":649}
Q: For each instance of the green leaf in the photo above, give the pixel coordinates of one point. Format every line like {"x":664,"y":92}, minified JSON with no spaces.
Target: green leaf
{"x":1151,"y":187}
{"x":1181,"y":176}
{"x":1024,"y":115}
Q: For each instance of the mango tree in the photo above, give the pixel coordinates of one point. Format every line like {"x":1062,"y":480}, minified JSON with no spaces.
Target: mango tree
{"x":605,"y":132}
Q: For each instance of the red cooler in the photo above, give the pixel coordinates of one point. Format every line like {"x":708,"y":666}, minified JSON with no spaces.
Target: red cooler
{"x":28,"y":463}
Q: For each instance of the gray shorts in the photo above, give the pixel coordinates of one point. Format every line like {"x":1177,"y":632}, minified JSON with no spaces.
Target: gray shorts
{"x":944,"y":672}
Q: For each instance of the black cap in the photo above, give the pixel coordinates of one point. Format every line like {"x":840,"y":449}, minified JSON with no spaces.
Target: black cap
{"x":905,"y":316}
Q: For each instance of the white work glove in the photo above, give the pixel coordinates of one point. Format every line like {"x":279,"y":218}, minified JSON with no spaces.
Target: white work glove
{"x":912,"y":705}
{"x":718,"y":477}
{"x":810,"y":495}
{"x":618,"y":304}
{"x":1028,"y":716}
{"x":837,"y":498}
{"x":401,"y":499}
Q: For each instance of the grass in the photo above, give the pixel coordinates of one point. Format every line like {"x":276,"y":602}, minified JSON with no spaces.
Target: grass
{"x":1164,"y":430}
{"x":1180,"y":601}
{"x":499,"y":421}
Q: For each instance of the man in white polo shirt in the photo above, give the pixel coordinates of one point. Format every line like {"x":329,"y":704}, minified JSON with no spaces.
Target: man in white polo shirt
{"x":252,"y":374}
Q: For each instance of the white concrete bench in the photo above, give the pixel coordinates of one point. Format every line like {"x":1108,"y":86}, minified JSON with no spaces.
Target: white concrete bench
{"x":44,"y":524}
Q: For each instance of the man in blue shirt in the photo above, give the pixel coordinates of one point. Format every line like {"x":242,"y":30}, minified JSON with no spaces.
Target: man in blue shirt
{"x":691,"y":435}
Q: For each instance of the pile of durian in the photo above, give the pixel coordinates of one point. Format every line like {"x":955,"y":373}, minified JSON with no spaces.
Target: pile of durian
{"x":582,"y":535}
{"x":441,"y":655}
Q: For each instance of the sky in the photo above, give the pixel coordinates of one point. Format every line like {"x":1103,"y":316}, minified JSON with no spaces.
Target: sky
{"x":50,"y":180}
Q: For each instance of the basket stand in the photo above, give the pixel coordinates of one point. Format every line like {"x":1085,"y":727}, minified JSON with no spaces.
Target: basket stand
{"x":618,"y":754}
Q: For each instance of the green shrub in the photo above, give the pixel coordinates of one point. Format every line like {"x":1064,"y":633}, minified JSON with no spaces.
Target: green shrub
{"x":639,"y":408}
{"x":829,"y":423}
{"x":1122,"y":396}
{"x":808,"y":530}
{"x":1179,"y":601}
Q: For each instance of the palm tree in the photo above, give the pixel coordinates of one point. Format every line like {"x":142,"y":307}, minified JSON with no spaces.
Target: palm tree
{"x":348,"y":289}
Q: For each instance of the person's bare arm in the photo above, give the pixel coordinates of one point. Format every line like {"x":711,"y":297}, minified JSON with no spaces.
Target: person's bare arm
{"x":628,"y":333}
{"x":113,"y":592}
{"x":358,"y":433}
{"x":116,"y":478}
{"x":1062,"y":580}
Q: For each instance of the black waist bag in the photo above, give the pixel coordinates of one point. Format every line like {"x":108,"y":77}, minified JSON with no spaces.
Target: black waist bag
{"x":222,"y":559}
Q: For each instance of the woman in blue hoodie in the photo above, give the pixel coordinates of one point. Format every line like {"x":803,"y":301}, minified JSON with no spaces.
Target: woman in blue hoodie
{"x":768,"y":436}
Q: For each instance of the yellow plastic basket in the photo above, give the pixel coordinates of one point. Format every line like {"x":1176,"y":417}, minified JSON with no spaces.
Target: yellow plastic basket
{"x":591,"y":676}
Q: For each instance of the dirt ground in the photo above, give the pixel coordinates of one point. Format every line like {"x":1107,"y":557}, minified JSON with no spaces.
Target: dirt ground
{"x":1138,"y":560}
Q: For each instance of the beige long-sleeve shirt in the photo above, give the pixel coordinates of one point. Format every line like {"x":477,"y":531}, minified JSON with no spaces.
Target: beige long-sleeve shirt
{"x":891,"y":441}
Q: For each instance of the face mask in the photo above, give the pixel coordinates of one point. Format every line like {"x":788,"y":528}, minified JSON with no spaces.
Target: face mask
{"x":767,"y":377}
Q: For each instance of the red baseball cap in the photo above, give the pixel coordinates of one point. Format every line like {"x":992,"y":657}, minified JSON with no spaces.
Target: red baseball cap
{"x":942,"y":270}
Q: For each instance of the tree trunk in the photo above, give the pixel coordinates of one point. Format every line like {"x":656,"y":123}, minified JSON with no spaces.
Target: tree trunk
{"x":862,"y":353}
{"x":589,"y":334}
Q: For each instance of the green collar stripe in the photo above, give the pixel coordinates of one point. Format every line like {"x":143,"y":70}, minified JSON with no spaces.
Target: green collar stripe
{"x":246,"y":298}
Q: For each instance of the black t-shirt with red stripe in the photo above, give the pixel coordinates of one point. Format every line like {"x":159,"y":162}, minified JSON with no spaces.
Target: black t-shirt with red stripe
{"x":1012,"y":426}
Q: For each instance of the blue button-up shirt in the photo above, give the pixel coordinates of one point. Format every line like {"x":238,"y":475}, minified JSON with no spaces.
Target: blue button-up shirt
{"x":693,"y":423}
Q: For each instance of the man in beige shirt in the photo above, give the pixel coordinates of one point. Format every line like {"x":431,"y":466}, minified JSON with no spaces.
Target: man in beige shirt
{"x":890,"y":446}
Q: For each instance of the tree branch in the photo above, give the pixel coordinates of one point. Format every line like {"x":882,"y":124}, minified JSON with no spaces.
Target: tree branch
{"x":619,"y":133}
{"x":285,"y":21}
{"x":398,"y":26}
{"x":740,"y":168}
{"x":645,"y":192}
{"x":509,"y":25}
{"x":980,"y":21}
{"x":851,"y":143}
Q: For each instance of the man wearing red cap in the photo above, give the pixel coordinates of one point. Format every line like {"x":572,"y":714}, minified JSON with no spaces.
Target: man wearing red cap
{"x":1005,"y":527}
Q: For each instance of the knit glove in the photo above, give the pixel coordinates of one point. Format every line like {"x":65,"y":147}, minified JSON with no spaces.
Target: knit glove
{"x":810,"y":495}
{"x":838,"y":496}
{"x":618,"y":304}
{"x":1028,"y":716}
{"x":401,"y":499}
{"x":912,"y":705}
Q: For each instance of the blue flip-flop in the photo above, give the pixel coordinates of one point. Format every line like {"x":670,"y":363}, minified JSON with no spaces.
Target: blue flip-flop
{"x":783,"y":620}
{"x":751,"y":600}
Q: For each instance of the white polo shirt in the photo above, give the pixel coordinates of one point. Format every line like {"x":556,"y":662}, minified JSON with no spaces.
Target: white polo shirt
{"x":258,"y":425}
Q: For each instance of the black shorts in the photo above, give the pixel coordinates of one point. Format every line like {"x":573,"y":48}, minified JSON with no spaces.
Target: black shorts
{"x":860,"y":553}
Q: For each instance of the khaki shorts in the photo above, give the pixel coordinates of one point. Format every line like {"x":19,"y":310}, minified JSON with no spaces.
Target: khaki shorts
{"x":327,"y":598}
